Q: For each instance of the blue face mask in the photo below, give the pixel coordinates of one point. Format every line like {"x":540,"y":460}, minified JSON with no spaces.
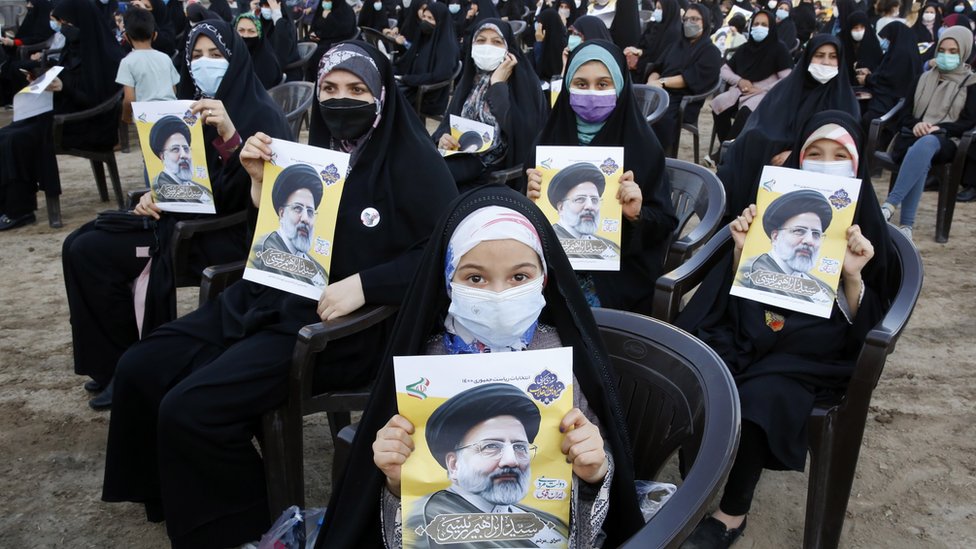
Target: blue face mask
{"x":266,"y":13}
{"x":378,"y":6}
{"x":947,"y":62}
{"x":782,"y":14}
{"x":657,"y":15}
{"x":573,"y":42}
{"x":759,"y":33}
{"x":55,"y":26}
{"x":959,"y":8}
{"x":208,"y":73}
{"x":885,"y":43}
{"x":454,"y":8}
{"x":327,"y":6}
{"x":165,"y":2}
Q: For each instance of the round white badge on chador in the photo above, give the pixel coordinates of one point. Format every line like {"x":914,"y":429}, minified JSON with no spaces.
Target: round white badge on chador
{"x":370,"y":217}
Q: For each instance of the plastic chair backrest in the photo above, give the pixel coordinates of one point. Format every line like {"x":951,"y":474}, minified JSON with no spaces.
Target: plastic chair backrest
{"x":695,"y":191}
{"x":518,"y":27}
{"x":294,"y":98}
{"x":652,"y":101}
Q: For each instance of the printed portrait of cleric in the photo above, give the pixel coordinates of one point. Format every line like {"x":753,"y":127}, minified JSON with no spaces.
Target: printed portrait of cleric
{"x":170,"y":140}
{"x":483,"y":438}
{"x":296,"y":196}
{"x":795,"y":223}
{"x":577,"y":194}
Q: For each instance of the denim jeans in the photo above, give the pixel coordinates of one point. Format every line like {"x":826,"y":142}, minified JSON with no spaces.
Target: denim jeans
{"x":911,"y":177}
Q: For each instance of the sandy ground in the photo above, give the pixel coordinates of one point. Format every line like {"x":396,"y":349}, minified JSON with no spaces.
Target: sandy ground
{"x":914,"y":485}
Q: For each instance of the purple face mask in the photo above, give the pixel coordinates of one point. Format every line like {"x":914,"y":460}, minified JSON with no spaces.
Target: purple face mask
{"x":593,"y":105}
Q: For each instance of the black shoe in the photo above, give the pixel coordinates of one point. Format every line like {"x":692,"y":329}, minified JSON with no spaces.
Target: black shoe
{"x":711,"y":533}
{"x":93,"y":386}
{"x":967,"y":194}
{"x":7,"y":222}
{"x":104,"y":400}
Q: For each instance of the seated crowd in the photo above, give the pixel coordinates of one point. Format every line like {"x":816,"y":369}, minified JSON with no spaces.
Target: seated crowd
{"x":789,"y":86}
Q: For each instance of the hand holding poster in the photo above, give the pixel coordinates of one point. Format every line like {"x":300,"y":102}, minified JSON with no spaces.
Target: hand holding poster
{"x":486,"y":464}
{"x":579,"y":196}
{"x":171,"y":138}
{"x":472,"y":136}
{"x":292,"y":247}
{"x":34,"y":99}
{"x":794,"y":250}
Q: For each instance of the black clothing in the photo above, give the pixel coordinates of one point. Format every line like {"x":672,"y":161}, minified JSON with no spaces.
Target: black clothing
{"x":188,"y":398}
{"x":643,"y":243}
{"x":757,"y":61}
{"x":699,"y":63}
{"x":266,"y":65}
{"x":922,"y":33}
{"x":370,"y":18}
{"x":592,"y":28}
{"x":486,"y":10}
{"x":431,"y":58}
{"x":893,"y":78}
{"x":865,"y":54}
{"x":786,"y":29}
{"x":352,"y":519}
{"x":91,"y":60}
{"x":282,"y":38}
{"x":166,"y":30}
{"x":804,"y":16}
{"x":99,"y":266}
{"x":658,"y":36}
{"x":35,"y":28}
{"x":550,"y":63}
{"x":517,"y":106}
{"x":774,"y":125}
{"x":625,"y":29}
{"x":338,"y":25}
{"x":176,"y":14}
{"x":221,"y":8}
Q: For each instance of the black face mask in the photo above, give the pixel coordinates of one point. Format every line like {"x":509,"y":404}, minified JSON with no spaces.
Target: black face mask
{"x":426,"y":27}
{"x":252,"y":43}
{"x":347,"y":118}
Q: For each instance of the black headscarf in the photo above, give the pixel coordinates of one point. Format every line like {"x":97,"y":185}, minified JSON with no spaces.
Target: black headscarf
{"x":552,"y":46}
{"x":409,"y":18}
{"x":370,"y":18}
{"x":432,"y":57}
{"x":221,"y":8}
{"x":90,"y":58}
{"x":899,"y":68}
{"x":643,"y":244}
{"x":756,"y":61}
{"x":865,"y":54}
{"x":804,"y":16}
{"x":526,"y":104}
{"x":35,"y":28}
{"x":698,"y":62}
{"x":592,"y":28}
{"x":658,"y":35}
{"x":786,"y":29}
{"x":625,"y":29}
{"x":165,"y":30}
{"x":176,"y":14}
{"x":774,"y":125}
{"x":352,"y":519}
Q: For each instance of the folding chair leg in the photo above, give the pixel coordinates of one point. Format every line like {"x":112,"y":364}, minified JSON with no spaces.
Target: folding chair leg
{"x":284,"y":467}
{"x":99,"y":172}
{"x":833,"y":462}
{"x":946,"y":208}
{"x":113,"y":172}
{"x":53,"y":202}
{"x":694,"y":138}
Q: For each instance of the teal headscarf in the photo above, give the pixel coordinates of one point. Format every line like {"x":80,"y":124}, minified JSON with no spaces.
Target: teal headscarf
{"x":584,"y":54}
{"x":254,"y":19}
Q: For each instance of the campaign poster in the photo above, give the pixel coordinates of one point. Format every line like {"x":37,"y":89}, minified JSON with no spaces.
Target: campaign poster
{"x":171,"y":138}
{"x":473,"y":136}
{"x":292,"y":246}
{"x":33,"y":99}
{"x":605,"y":13}
{"x":486,"y":469}
{"x":579,"y":197}
{"x":794,"y":250}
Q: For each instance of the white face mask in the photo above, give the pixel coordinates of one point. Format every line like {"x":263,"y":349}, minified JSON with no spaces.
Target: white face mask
{"x":857,"y":35}
{"x":822,"y":73}
{"x":928,"y":17}
{"x":497,"y":319}
{"x":771,"y":4}
{"x":487,"y":57}
{"x":657,"y":15}
{"x":840,"y":168}
{"x":564,"y":13}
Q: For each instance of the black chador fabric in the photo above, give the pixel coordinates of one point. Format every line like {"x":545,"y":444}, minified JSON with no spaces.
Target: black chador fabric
{"x":176,"y":14}
{"x":551,"y":64}
{"x":761,"y":59}
{"x":409,"y":18}
{"x":922,"y":33}
{"x":592,"y":28}
{"x":338,"y":25}
{"x":90,"y":59}
{"x":517,"y":105}
{"x":899,"y":68}
{"x":772,"y":128}
{"x":99,"y":266}
{"x":625,"y":29}
{"x":107,"y":12}
{"x":644,"y":243}
{"x":264,"y":61}
{"x":431,"y":58}
{"x":221,"y":8}
{"x":699,"y":63}
{"x":486,"y":10}
{"x":804,"y":16}
{"x":166,"y":30}
{"x":865,"y":54}
{"x":188,"y":397}
{"x":786,"y":29}
{"x":369,"y":17}
{"x":282,"y":38}
{"x":353,"y":516}
{"x":780,"y":374}
{"x":658,"y":35}
{"x":36,"y":27}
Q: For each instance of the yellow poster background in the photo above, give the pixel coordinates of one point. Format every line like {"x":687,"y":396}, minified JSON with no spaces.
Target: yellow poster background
{"x":197,"y":149}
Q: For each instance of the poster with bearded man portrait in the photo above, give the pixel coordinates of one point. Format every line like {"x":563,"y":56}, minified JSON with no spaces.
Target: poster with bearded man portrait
{"x":171,"y":138}
{"x":794,"y":250}
{"x":579,"y":197}
{"x":292,"y":246}
{"x":486,"y":469}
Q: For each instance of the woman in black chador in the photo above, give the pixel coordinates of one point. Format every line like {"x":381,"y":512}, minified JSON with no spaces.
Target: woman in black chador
{"x":432,"y":57}
{"x":362,"y":512}
{"x":188,"y":397}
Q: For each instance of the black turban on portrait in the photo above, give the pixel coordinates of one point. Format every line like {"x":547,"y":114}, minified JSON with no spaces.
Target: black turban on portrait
{"x":292,"y":178}
{"x":469,"y":139}
{"x":795,"y":203}
{"x":163,"y":129}
{"x":571,"y":176}
{"x":452,"y":420}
